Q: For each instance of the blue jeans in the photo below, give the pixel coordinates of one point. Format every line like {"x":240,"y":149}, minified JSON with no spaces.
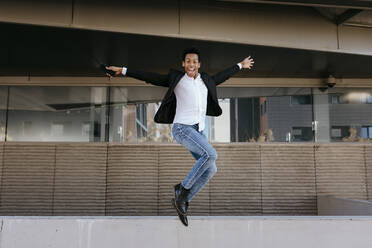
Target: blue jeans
{"x":203,"y":152}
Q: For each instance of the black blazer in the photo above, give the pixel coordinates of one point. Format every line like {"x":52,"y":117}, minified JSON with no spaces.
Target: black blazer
{"x":167,"y":109}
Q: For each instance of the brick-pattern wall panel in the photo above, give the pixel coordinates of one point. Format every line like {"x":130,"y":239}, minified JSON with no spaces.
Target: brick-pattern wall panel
{"x":2,"y":146}
{"x":132,"y":180}
{"x":175,"y":162}
{"x":368,"y":157}
{"x":27,"y":185}
{"x":288,"y":180}
{"x":80,"y":179}
{"x":236,"y":187}
{"x":340,"y":171}
{"x":37,"y":180}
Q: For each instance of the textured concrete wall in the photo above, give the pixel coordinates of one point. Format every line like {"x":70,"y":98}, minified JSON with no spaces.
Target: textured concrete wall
{"x":132,"y":180}
{"x":288,"y":179}
{"x":1,"y":164}
{"x":27,"y":179}
{"x":137,"y":179}
{"x":341,"y":171}
{"x":329,"y":205}
{"x":368,"y":159}
{"x":236,"y":189}
{"x":80,"y":179}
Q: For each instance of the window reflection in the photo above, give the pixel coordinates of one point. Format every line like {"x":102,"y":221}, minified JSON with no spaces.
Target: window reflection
{"x":57,"y":114}
{"x":350,"y":114}
{"x":132,"y":111}
{"x":268,"y":119}
{"x":125,"y":115}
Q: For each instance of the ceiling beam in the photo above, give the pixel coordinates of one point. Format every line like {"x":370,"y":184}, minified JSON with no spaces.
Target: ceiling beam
{"x":340,"y":19}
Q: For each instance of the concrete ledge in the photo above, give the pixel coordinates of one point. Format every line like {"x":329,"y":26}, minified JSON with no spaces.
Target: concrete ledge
{"x":260,"y":231}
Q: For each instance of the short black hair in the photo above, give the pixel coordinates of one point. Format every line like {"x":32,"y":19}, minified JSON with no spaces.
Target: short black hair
{"x":190,"y":50}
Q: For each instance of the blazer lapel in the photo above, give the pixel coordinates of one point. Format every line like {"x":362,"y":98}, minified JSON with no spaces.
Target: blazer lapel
{"x":210,"y":85}
{"x":178,"y":79}
{"x":205,"y":79}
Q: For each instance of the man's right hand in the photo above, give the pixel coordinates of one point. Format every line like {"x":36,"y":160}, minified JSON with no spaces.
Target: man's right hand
{"x":115,"y":69}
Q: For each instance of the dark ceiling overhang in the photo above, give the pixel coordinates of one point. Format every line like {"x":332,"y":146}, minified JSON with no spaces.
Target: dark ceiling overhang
{"x":27,"y":50}
{"x":350,"y":4}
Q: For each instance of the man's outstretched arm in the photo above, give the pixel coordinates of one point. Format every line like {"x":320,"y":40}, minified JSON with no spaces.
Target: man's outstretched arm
{"x":148,"y":77}
{"x":222,"y":76}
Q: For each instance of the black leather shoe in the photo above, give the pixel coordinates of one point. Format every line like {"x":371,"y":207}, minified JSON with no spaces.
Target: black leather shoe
{"x":183,"y":218}
{"x":177,"y":189}
{"x":180,"y":196}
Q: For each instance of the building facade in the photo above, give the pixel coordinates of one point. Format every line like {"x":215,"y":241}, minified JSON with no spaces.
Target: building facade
{"x":66,"y":129}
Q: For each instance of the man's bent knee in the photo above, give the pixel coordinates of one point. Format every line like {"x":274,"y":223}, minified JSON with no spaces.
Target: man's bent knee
{"x":213,"y":169}
{"x":212,"y":155}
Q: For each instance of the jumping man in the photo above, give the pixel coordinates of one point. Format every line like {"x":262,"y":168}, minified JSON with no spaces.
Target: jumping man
{"x":190,"y":97}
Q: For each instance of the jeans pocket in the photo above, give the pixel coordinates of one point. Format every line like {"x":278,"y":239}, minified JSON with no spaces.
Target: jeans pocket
{"x":175,"y":131}
{"x":185,"y":129}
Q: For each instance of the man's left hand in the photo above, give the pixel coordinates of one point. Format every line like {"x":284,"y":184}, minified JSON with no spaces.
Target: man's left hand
{"x":247,"y":62}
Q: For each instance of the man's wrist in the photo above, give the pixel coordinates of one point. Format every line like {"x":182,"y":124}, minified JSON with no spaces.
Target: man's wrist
{"x":124,"y":71}
{"x":240,"y":65}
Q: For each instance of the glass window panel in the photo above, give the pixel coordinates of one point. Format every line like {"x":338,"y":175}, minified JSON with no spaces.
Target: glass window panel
{"x":334,"y":99}
{"x":297,"y":131}
{"x":3,"y":103}
{"x":249,"y":114}
{"x":336,"y":133}
{"x":340,"y":132}
{"x":352,"y":117}
{"x":365,"y":132}
{"x":261,"y":114}
{"x":302,"y":134}
{"x":241,"y":120}
{"x":57,"y":114}
{"x":364,"y":98}
{"x":306,"y":99}
{"x":283,"y":118}
{"x":132,"y":112}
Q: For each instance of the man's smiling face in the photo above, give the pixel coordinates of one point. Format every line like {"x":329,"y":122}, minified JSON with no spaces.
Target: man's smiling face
{"x":191,"y":64}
